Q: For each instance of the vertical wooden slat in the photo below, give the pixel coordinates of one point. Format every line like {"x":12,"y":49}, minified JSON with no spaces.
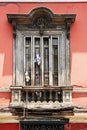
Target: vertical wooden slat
{"x":19,"y":59}
{"x":32,"y":81}
{"x":42,"y":60}
{"x":33,"y":53}
{"x":46,"y":60}
{"x":37,"y":67}
{"x":55,"y":59}
{"x":50,"y":62}
{"x":24,"y":61}
{"x":58,"y":60}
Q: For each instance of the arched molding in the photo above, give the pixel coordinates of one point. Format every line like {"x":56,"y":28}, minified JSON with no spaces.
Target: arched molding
{"x":41,"y":10}
{"x":41,"y":18}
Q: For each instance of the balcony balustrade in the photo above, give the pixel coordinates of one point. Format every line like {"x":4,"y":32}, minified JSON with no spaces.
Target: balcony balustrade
{"x":41,"y":95}
{"x":41,"y":98}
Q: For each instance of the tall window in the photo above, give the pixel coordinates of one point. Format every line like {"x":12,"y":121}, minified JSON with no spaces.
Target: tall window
{"x":41,"y":60}
{"x":41,"y":48}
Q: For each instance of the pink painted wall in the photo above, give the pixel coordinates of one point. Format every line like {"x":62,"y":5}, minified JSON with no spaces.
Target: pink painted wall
{"x":78,"y":42}
{"x":5,"y":98}
{"x":80,"y":99}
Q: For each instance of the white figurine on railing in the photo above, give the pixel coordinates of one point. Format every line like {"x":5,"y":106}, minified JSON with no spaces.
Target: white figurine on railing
{"x":37,"y":59}
{"x":27,"y":77}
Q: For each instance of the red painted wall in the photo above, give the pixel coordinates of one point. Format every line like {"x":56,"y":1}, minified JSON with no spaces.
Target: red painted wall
{"x":78,"y":43}
{"x":9,"y":126}
{"x":71,"y":126}
{"x":76,"y":126}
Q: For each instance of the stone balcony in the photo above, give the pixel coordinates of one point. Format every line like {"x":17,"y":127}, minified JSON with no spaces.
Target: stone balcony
{"x":41,"y":98}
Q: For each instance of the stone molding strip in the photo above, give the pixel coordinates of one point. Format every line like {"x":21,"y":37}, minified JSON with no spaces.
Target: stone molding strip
{"x":74,"y":89}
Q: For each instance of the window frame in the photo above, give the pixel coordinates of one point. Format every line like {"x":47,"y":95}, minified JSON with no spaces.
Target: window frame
{"x":52,"y":34}
{"x":34,"y":21}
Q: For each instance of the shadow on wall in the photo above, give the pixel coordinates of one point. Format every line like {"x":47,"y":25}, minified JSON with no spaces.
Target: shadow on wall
{"x":80,"y":99}
{"x":78,"y":49}
{"x":5,"y":98}
{"x":5,"y":70}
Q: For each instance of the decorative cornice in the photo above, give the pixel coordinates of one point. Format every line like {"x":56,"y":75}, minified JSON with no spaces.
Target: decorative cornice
{"x":41,"y":18}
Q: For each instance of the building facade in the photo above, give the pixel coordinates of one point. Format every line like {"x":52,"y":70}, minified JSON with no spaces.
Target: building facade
{"x":43,"y":65}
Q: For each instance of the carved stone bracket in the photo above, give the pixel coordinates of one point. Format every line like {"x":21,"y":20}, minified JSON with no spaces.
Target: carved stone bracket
{"x":14,"y":28}
{"x":68,"y":24}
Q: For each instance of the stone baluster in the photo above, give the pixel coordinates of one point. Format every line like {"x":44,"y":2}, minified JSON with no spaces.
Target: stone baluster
{"x":50,"y":95}
{"x":38,"y":96}
{"x":32,"y":96}
{"x":26,"y":96}
{"x":44,"y":95}
{"x":56,"y":96}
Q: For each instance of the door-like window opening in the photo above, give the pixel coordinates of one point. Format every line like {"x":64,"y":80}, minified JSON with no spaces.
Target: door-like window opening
{"x":55,"y":60}
{"x":41,"y":60}
{"x":27,"y":61}
{"x":36,"y":62}
{"x":46,"y":60}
